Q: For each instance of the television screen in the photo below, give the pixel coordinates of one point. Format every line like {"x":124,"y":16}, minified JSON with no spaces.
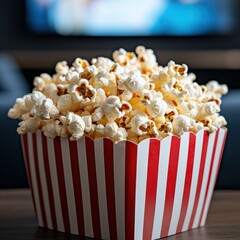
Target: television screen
{"x":132,"y":17}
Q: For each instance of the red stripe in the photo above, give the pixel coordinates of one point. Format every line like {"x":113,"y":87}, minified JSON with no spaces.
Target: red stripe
{"x":200,"y":177}
{"x":61,"y":183}
{"x":35,"y":153}
{"x":49,"y":182}
{"x":171,"y":184}
{"x":93,"y":187}
{"x":27,"y":163}
{"x":109,"y":179}
{"x":77,"y":185}
{"x":220,"y":156}
{"x":209,"y":175}
{"x":152,"y":177}
{"x":130,"y":188}
{"x":188,"y":181}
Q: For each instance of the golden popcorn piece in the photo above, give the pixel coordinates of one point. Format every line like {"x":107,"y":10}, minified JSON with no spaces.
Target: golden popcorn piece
{"x":82,"y":92}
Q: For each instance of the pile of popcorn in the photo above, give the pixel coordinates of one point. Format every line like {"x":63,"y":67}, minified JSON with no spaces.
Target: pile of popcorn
{"x":130,"y":97}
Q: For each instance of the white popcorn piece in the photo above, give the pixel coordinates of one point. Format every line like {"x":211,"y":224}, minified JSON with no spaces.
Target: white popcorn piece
{"x":216,"y":88}
{"x":125,"y":58}
{"x":32,"y":99}
{"x":45,"y":109}
{"x":72,"y":76}
{"x":97,"y":114}
{"x":147,"y":60}
{"x":80,"y":64}
{"x":116,"y":68}
{"x":61,"y":68}
{"x":189,"y":109}
{"x":51,"y":91}
{"x":103,"y":63}
{"x":197,"y":126}
{"x":104,"y":79}
{"x":182,"y":124}
{"x":66,"y":104}
{"x":135,"y":83}
{"x":219,"y":122}
{"x":154,"y":104}
{"x":89,"y":73}
{"x":176,"y":70}
{"x":167,"y":127}
{"x":41,"y":81}
{"x":18,"y":109}
{"x":100,"y":97}
{"x":114,"y":108}
{"x":173,"y":89}
{"x":142,"y":125}
{"x":75,"y":125}
{"x":88,"y":123}
{"x":112,"y":131}
{"x":208,"y":109}
{"x":30,"y":124}
{"x":49,"y":129}
{"x":82,"y":92}
{"x":53,"y":128}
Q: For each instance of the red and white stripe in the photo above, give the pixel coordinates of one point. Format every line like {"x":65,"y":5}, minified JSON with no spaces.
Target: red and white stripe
{"x":123,"y":191}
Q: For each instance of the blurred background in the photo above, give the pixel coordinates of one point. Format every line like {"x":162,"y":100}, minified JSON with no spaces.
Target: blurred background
{"x":35,"y":34}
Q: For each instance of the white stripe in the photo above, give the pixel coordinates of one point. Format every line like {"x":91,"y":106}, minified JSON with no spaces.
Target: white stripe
{"x":205,"y":178}
{"x":161,"y":186}
{"x":85,"y":187}
{"x":195,"y":175}
{"x":54,"y":180}
{"x":69,"y":185}
{"x":34,"y":179}
{"x":214,"y":172}
{"x":43,"y":180}
{"x":181,"y":173}
{"x":25,"y":159}
{"x":141,"y":182}
{"x":101,"y":185}
{"x":119,"y":185}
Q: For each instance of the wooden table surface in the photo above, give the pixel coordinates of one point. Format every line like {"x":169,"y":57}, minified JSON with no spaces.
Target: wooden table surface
{"x":17,"y":219}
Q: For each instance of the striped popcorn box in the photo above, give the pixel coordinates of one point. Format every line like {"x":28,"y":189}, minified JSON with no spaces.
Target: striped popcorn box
{"x":123,"y":191}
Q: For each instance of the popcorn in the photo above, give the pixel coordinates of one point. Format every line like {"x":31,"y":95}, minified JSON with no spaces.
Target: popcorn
{"x":42,"y":81}
{"x":156,"y":107}
{"x":103,"y":63}
{"x":182,"y":124}
{"x":45,"y":109}
{"x":30,"y":124}
{"x":82,"y":92}
{"x":177,"y":71}
{"x":112,"y":131}
{"x":142,"y":125}
{"x":76,"y":125}
{"x":18,"y":109}
{"x":125,"y":58}
{"x":61,"y":68}
{"x":128,"y":98}
{"x":216,"y":88}
{"x":89,"y":72}
{"x":135,"y":83}
{"x":80,"y":64}
{"x":114,"y":108}
{"x":66,"y":104}
{"x":147,"y":60}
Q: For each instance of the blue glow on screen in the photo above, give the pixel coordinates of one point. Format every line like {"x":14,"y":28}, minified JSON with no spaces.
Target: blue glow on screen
{"x":132,"y":17}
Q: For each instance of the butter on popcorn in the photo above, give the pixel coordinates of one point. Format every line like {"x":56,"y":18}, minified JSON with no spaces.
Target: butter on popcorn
{"x":130,"y":97}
